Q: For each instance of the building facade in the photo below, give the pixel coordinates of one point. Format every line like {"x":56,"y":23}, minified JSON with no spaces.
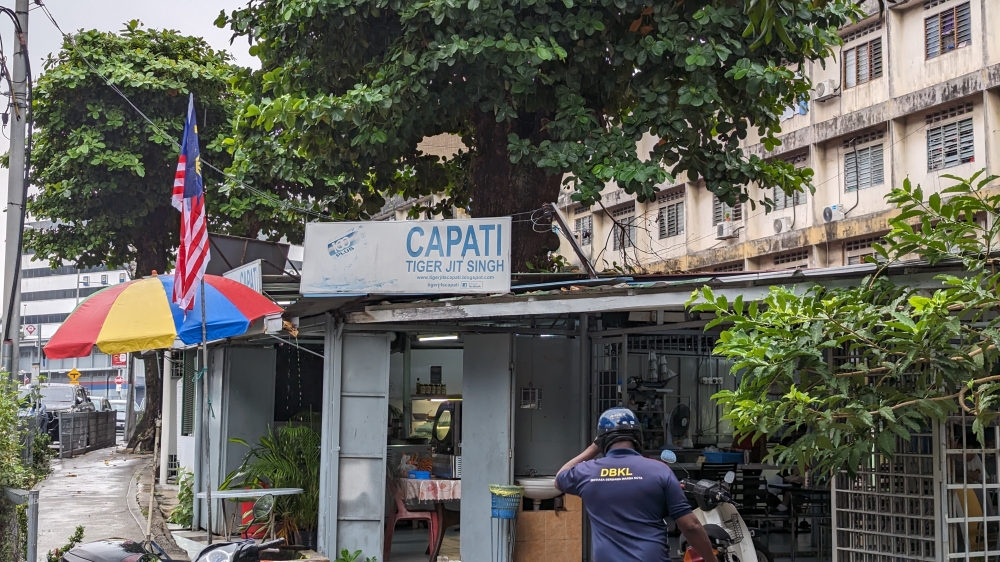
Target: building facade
{"x":913,"y":93}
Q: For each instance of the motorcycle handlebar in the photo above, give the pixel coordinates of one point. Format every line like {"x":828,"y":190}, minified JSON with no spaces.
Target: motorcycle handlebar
{"x":270,"y":544}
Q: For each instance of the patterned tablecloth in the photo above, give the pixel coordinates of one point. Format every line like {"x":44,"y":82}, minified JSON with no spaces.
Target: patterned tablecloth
{"x":433,"y":490}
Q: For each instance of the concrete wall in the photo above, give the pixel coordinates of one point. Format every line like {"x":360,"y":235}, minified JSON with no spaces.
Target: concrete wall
{"x":545,"y":438}
{"x":486,"y":436}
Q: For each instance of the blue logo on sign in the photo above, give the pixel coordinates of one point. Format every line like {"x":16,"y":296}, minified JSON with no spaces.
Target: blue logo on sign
{"x":344,"y":245}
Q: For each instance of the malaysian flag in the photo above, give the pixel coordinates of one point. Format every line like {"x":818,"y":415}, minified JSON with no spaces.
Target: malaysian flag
{"x":189,"y":199}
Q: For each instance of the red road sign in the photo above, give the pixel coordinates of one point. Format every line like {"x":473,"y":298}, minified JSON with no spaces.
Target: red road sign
{"x":119,"y":380}
{"x":119,"y":359}
{"x":30,"y":329}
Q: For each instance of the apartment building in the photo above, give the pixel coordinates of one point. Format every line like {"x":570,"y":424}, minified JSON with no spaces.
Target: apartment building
{"x":913,"y":92}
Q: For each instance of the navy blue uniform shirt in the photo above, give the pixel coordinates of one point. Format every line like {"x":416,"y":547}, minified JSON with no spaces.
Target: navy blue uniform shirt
{"x":627,"y":496}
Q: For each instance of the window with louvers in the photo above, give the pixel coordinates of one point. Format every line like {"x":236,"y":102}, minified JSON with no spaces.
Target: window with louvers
{"x":950,"y":145}
{"x":625,"y":232}
{"x":720,"y":210}
{"x":948,"y":30}
{"x":584,"y":230}
{"x":671,"y":220}
{"x":864,"y":168}
{"x":862,"y":63}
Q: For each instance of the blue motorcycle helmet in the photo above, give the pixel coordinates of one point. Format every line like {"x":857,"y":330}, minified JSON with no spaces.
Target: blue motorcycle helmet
{"x":616,"y":425}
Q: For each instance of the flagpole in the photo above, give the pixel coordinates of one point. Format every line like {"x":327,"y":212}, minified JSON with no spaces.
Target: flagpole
{"x":208,"y":408}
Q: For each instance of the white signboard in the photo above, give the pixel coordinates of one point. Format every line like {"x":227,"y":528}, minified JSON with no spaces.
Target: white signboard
{"x":248,"y":275}
{"x":407,"y":257}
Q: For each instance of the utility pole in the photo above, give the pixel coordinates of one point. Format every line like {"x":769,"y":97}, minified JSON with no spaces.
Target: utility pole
{"x":16,"y":189}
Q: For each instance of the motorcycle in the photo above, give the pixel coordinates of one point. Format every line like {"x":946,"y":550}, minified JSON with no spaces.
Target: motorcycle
{"x":119,"y":550}
{"x":718,"y":514}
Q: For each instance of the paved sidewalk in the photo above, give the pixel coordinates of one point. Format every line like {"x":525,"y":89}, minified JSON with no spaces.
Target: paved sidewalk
{"x":96,"y":490}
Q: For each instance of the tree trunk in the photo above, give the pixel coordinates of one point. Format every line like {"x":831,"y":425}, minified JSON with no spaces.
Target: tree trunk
{"x":145,"y":428}
{"x":502,"y":188}
{"x":145,"y":431}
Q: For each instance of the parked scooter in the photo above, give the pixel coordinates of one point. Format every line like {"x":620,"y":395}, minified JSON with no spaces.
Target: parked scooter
{"x":715,"y":510}
{"x":120,"y":550}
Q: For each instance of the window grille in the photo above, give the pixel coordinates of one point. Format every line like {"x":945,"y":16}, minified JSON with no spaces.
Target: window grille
{"x":948,"y":30}
{"x":720,"y":210}
{"x":625,"y":233}
{"x":950,"y":145}
{"x":948,"y":113}
{"x":735,"y":266}
{"x":862,"y":31}
{"x":797,"y":258}
{"x":862,"y":63}
{"x":671,"y":220}
{"x":673,"y":194}
{"x":584,"y":230}
{"x":864,"y":167}
{"x":855,"y":251}
{"x":870,"y":136}
{"x":580,"y":209}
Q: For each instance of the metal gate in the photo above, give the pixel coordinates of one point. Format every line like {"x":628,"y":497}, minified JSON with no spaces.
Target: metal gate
{"x":81,"y":432}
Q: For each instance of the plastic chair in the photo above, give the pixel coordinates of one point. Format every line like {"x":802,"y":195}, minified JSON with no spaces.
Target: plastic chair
{"x":402,"y":514}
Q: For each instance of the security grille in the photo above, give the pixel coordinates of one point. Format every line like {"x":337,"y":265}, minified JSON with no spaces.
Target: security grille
{"x":948,"y":113}
{"x":950,"y":145}
{"x":862,"y":63}
{"x":886,"y":512}
{"x":971,"y":491}
{"x":793,"y":260}
{"x":187,"y":398}
{"x":861,"y":32}
{"x":580,"y":209}
{"x":864,"y":167}
{"x":675,"y":343}
{"x":720,"y":210}
{"x":674,"y":194}
{"x":736,"y":266}
{"x":671,"y":220}
{"x":855,"y":251}
{"x":608,"y":364}
{"x":948,"y":30}
{"x":865,"y":138}
{"x":584,"y":230}
{"x":625,"y":230}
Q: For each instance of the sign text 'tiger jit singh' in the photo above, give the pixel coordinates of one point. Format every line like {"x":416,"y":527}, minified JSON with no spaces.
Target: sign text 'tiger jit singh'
{"x":414,"y":257}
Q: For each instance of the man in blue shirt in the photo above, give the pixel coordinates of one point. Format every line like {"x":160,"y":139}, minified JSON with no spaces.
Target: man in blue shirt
{"x":627,"y":496}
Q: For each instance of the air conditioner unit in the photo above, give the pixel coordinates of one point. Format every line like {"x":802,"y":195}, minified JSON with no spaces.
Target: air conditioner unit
{"x":725,"y":231}
{"x":783,"y":224}
{"x":832,"y":213}
{"x":825,"y":90}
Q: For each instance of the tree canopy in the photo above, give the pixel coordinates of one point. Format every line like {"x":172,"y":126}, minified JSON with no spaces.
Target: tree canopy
{"x":848,"y":370}
{"x":105,"y":174}
{"x":543,"y":93}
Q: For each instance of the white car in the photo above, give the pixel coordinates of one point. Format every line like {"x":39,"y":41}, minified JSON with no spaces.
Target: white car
{"x":119,"y":407}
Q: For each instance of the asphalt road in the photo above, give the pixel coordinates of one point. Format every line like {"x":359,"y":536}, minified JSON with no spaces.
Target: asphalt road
{"x":92,"y":490}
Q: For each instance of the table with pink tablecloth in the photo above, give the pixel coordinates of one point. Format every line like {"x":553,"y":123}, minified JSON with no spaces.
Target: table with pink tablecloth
{"x":433,"y":490}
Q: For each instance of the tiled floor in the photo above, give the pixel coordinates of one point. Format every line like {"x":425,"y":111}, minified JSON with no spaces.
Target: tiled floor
{"x":410,"y":546}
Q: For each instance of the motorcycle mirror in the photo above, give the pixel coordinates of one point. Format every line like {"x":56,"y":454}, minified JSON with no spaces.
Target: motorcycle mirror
{"x":668,"y":456}
{"x":263,"y":507}
{"x":730,"y":477}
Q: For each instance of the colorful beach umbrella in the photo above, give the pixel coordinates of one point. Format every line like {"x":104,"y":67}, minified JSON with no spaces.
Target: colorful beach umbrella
{"x":138,"y":315}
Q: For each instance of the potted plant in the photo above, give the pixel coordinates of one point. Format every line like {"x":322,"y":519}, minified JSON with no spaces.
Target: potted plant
{"x":287,"y":457}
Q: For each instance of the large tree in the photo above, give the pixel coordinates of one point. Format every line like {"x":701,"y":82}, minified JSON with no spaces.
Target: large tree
{"x":104,"y":174}
{"x":543,"y":93}
{"x":847,"y":371}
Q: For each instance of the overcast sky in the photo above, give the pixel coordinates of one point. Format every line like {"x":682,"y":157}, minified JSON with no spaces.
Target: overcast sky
{"x":192,"y":17}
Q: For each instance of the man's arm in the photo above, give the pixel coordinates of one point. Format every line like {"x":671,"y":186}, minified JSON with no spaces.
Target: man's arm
{"x":696,"y":536}
{"x":589,"y":453}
